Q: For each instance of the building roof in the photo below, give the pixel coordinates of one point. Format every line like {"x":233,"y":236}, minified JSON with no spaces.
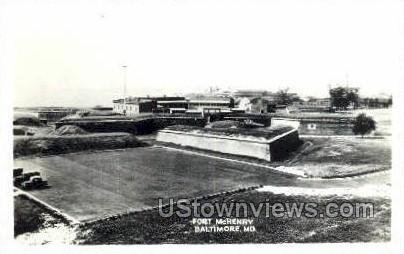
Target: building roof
{"x":262,"y":134}
{"x":165,"y":98}
{"x":132,"y":100}
{"x":176,"y":101}
{"x":210,"y":101}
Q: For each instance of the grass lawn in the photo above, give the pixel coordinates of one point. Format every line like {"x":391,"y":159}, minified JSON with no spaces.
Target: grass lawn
{"x":339,"y":156}
{"x":90,"y":185}
{"x":29,"y":217}
{"x":150,"y":228}
{"x":35,"y":225}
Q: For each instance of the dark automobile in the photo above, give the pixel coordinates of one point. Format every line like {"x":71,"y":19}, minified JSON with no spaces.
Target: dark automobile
{"x":18,"y":180}
{"x":34,"y":183}
{"x":17,"y":172}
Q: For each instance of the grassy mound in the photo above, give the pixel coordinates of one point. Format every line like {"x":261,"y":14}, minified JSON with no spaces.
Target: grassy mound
{"x":19,"y":130}
{"x":69,"y":130}
{"x":232,"y":124}
{"x":225,"y":124}
{"x":263,"y":133}
{"x":26,"y":119}
{"x":46,"y":145}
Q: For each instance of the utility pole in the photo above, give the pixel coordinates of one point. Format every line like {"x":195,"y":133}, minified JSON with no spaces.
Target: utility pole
{"x":124,"y":88}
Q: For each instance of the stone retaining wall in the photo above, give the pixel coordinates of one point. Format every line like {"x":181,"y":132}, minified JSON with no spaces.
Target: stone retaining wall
{"x":288,"y":141}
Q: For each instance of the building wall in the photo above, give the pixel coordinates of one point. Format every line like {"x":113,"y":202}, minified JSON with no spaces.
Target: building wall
{"x":218,"y":144}
{"x":118,"y":108}
{"x":262,"y":105}
{"x":259,"y":106}
{"x":206,"y":105}
{"x":282,"y":147}
{"x":146,"y":107}
{"x":314,"y":105}
{"x":245,"y":104}
{"x":282,"y":144}
{"x":133,"y":109}
{"x":203,"y":104}
{"x":175,"y":104}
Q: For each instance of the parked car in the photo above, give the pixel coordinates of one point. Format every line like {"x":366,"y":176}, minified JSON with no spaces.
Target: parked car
{"x":34,"y":182}
{"x":18,"y":180}
{"x":17,"y":172}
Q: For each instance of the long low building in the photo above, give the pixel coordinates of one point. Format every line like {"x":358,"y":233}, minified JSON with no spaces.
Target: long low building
{"x":211,"y":104}
{"x":270,"y":144}
{"x":134,"y":106}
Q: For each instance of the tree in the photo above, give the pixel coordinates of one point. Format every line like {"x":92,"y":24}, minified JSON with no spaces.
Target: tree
{"x":363,"y":124}
{"x":285,"y":98}
{"x":353,"y":97}
{"x":339,"y":98}
{"x":342,"y":97}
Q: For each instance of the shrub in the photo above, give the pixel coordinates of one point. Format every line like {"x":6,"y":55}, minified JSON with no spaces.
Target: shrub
{"x":363,"y":124}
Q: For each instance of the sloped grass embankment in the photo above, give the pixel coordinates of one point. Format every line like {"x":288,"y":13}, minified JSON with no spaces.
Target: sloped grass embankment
{"x":51,"y":145}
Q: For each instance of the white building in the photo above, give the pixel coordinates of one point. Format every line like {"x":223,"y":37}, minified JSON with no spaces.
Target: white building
{"x":244,"y":104}
{"x":133,"y":107}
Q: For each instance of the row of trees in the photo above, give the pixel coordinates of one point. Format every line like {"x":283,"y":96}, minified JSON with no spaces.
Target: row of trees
{"x":285,"y":98}
{"x":341,"y":97}
{"x":377,"y":102}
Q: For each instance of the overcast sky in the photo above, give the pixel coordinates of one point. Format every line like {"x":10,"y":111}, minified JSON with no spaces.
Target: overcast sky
{"x":68,"y":53}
